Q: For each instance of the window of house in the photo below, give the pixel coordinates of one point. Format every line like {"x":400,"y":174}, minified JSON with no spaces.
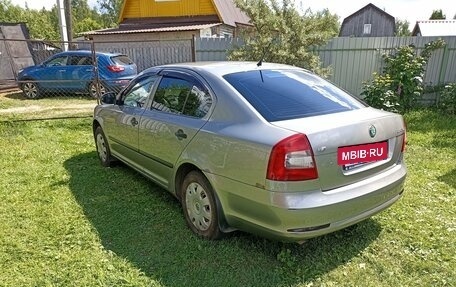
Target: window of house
{"x":367,"y":29}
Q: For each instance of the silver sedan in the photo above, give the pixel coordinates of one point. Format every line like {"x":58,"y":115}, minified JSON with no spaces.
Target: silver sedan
{"x":265,"y":148}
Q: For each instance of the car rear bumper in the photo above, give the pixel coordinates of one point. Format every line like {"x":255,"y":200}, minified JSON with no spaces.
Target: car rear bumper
{"x":300,"y":215}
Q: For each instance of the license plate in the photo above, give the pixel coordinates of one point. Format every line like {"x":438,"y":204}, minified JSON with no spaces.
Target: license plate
{"x":357,"y":154}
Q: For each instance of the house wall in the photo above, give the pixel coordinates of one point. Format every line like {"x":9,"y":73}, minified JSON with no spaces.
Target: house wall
{"x":161,"y":8}
{"x":381,"y":24}
{"x":181,"y":35}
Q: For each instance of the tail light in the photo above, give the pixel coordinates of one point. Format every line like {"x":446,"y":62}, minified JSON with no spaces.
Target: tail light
{"x":404,"y":138}
{"x":292,"y":159}
{"x":116,"y":69}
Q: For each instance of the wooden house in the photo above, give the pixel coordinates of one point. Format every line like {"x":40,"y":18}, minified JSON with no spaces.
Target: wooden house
{"x":369,"y":21}
{"x":174,"y":20}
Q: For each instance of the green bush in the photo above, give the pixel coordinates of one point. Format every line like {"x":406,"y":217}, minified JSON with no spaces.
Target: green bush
{"x":400,"y":85}
{"x":447,"y":102}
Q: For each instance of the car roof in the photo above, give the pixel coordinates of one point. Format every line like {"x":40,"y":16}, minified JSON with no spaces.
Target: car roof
{"x":88,"y":52}
{"x":225,"y":67}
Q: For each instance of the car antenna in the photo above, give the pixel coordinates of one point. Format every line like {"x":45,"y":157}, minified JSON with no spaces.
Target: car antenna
{"x":260,"y":62}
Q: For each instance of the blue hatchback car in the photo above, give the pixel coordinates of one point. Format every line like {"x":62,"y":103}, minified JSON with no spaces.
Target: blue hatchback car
{"x":73,"y":72}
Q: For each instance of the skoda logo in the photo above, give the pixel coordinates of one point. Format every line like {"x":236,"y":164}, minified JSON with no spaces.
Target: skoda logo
{"x":372,"y":131}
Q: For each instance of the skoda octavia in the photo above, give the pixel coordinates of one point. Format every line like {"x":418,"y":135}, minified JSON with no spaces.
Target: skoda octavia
{"x":265,"y":148}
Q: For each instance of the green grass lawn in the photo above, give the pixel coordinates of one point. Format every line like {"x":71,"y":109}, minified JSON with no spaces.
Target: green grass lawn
{"x":66,"y":221}
{"x":14,"y":106}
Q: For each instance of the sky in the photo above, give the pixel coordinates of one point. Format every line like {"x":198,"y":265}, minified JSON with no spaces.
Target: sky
{"x":410,"y":10}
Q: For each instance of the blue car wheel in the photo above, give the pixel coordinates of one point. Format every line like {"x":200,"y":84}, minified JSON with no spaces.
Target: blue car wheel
{"x":31,"y":90}
{"x":93,"y":90}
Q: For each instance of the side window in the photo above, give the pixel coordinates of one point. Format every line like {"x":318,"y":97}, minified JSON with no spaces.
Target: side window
{"x":80,"y":60}
{"x":180,"y":96}
{"x":137,"y":95}
{"x":59,"y":61}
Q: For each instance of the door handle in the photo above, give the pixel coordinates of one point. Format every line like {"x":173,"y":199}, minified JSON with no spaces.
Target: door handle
{"x":134,"y":122}
{"x":180,"y":134}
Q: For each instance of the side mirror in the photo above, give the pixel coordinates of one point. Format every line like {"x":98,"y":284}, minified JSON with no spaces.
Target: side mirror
{"x":109,"y":98}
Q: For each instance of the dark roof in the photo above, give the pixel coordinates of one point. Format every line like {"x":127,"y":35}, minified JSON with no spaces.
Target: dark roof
{"x":370,"y":5}
{"x":230,"y":13}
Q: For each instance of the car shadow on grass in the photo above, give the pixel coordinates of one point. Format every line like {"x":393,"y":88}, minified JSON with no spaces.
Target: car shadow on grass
{"x":449,"y":178}
{"x":144,"y":224}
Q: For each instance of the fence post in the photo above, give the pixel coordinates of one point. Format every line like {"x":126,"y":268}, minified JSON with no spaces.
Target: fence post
{"x":95,"y":70}
{"x":193,"y":48}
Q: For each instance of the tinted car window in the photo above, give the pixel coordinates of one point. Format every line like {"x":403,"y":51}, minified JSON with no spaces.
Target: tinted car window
{"x":288,"y":94}
{"x":122,"y":60}
{"x":181,"y":96}
{"x":137,"y":95}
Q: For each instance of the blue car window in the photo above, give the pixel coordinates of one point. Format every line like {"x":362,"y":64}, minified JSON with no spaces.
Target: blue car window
{"x":58,"y":61}
{"x":289,"y":94}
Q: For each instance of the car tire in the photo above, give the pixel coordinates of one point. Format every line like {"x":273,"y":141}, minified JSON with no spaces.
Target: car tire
{"x":31,"y":90}
{"x":93,"y":90}
{"x":103,"y":150}
{"x":199,"y":205}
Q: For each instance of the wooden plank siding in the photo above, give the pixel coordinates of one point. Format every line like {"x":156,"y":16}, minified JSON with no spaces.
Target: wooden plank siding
{"x":152,"y":8}
{"x":382,"y":24}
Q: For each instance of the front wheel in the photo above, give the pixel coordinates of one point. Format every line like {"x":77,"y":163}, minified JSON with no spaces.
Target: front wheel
{"x":104,"y":153}
{"x":199,"y":204}
{"x":93,"y":90}
{"x":30,"y":90}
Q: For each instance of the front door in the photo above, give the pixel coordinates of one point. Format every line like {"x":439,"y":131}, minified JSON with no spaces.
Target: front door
{"x":178,"y":111}
{"x":122,"y":123}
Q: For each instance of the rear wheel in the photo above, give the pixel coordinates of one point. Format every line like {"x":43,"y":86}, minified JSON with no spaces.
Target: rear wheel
{"x":30,"y":90}
{"x":93,"y":90}
{"x":104,"y":153}
{"x":200,"y":209}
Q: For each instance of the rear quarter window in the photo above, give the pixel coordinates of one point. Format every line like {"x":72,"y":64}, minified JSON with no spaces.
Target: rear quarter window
{"x":122,"y":60}
{"x":288,"y":94}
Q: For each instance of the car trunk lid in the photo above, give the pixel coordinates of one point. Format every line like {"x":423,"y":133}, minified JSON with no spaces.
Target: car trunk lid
{"x":351,"y":136}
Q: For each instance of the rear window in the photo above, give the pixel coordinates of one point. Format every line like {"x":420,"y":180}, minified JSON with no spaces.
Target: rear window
{"x":122,"y":60}
{"x":288,"y":94}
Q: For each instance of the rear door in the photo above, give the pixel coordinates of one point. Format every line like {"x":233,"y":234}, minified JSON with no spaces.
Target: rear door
{"x":178,"y":111}
{"x":81,"y":72}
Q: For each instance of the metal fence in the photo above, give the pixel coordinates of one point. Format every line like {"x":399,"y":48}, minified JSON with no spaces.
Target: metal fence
{"x":352,"y":60}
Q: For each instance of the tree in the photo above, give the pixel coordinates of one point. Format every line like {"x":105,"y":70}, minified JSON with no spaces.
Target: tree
{"x":402,"y":28}
{"x":280,"y":34}
{"x":38,"y":22}
{"x":110,"y":10}
{"x":437,"y":15}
